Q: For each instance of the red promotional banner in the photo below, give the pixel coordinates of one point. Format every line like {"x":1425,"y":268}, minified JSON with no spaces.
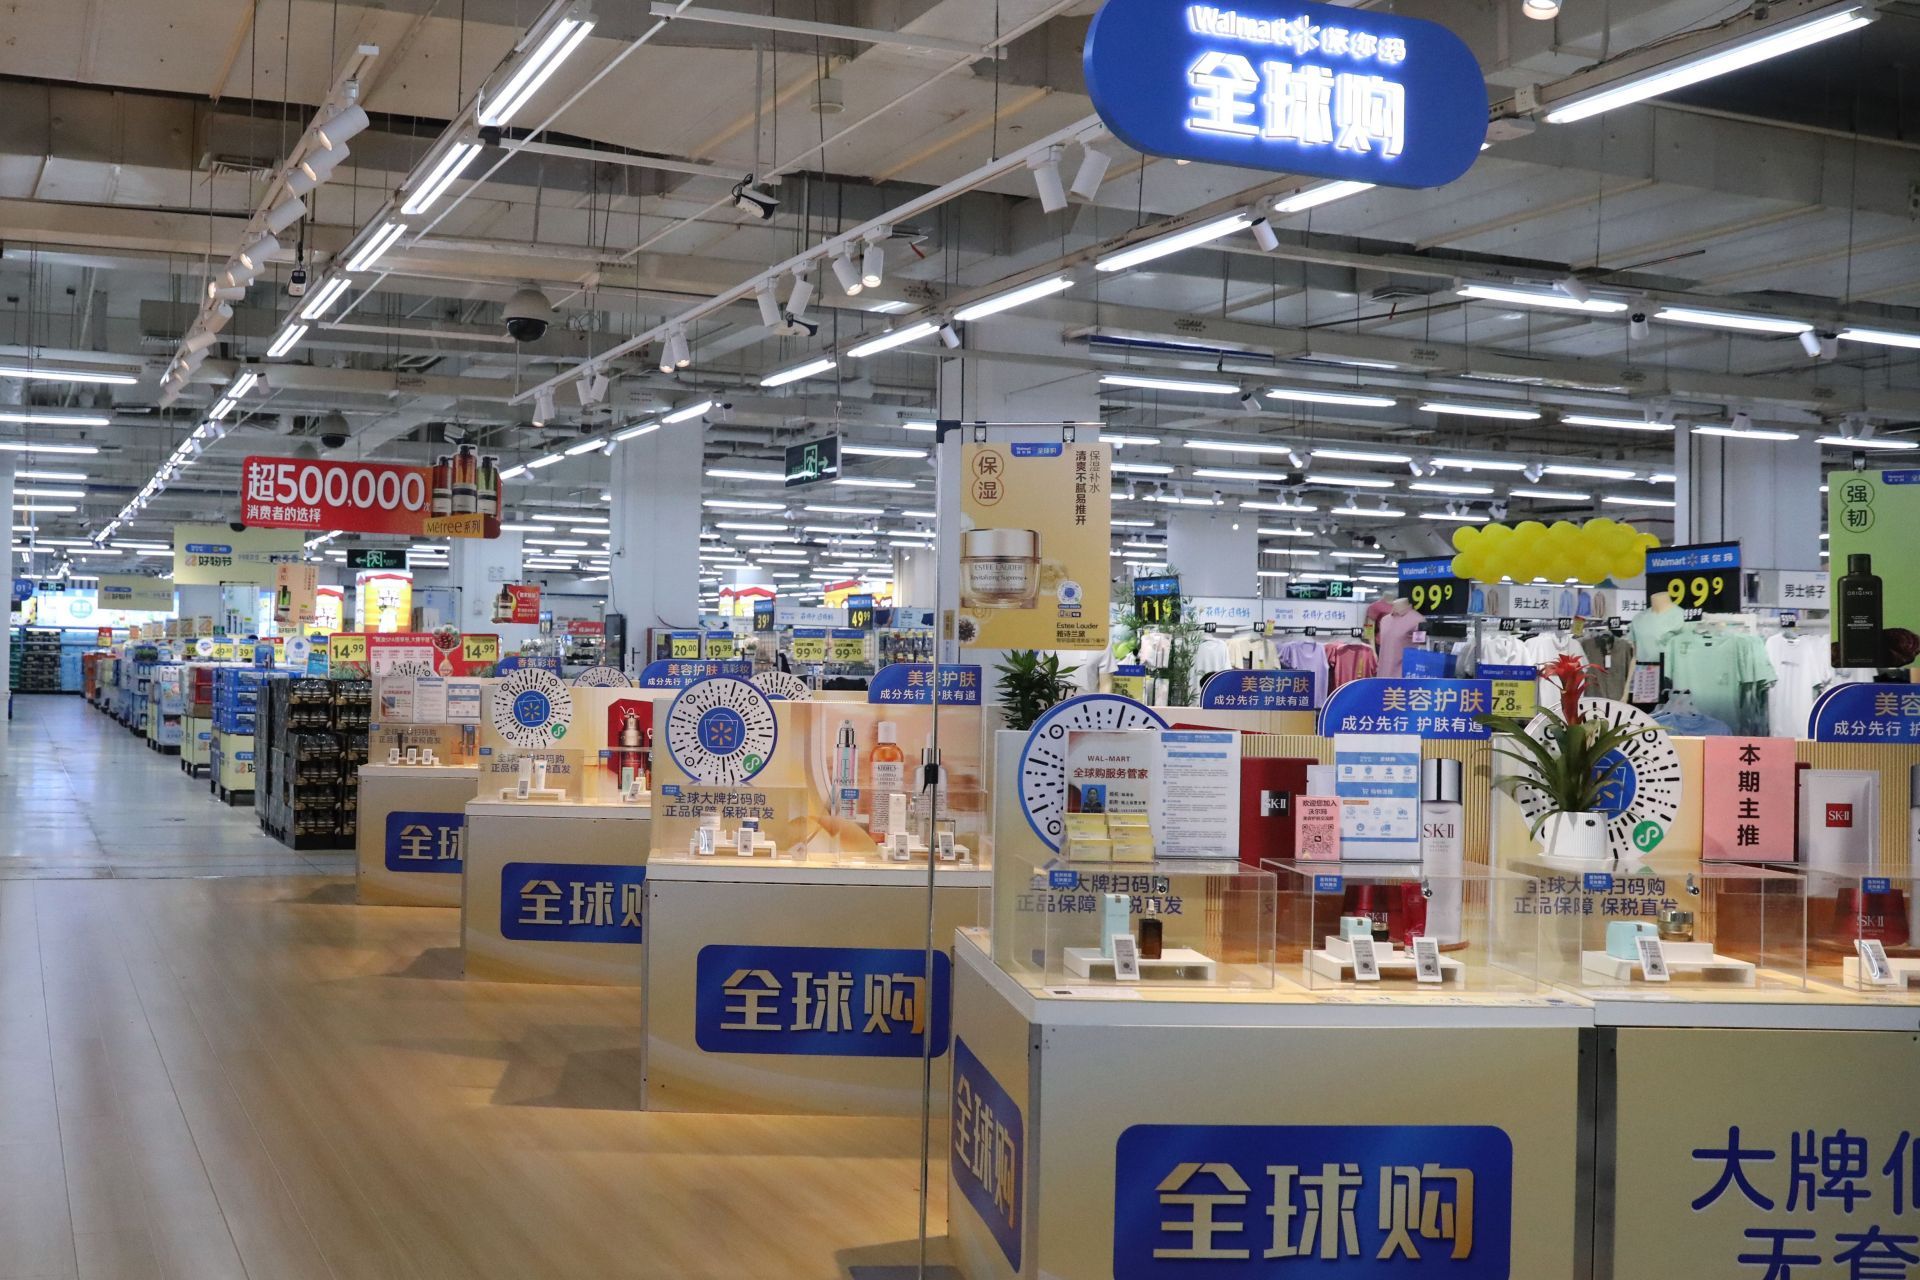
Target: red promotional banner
{"x":518,"y":603}
{"x":459,"y":496}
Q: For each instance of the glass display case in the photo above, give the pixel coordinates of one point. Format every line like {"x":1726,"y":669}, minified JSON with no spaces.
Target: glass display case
{"x":1718,"y":926}
{"x":1863,"y":931}
{"x":1173,"y":923}
{"x":1393,"y":926}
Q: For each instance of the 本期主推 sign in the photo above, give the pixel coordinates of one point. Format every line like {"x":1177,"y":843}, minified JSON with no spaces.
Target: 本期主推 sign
{"x":1351,"y":94}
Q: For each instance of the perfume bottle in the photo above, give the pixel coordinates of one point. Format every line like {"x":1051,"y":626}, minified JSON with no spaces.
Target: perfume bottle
{"x":1443,"y":844}
{"x":1860,"y":614}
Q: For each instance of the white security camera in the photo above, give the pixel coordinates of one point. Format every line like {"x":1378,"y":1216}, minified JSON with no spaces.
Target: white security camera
{"x":527,"y":315}
{"x":795,"y":327}
{"x":748,"y":198}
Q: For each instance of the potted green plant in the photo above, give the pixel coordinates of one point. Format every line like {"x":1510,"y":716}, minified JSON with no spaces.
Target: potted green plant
{"x":1029,"y":685}
{"x":1564,"y":762}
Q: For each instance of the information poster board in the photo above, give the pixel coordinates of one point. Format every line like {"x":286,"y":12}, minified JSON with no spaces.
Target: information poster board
{"x":1034,"y":567}
{"x":206,"y":555}
{"x":1873,"y":514}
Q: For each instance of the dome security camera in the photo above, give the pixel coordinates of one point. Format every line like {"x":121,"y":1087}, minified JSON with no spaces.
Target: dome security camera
{"x":237,"y":526}
{"x":749,"y":198}
{"x":527,"y":315}
{"x":333,"y":440}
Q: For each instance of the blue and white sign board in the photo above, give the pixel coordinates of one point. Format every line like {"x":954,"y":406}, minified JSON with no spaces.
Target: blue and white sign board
{"x":987,"y":1151}
{"x":1866,"y":713}
{"x":1351,"y":94}
{"x":1258,"y":691}
{"x":1425,"y":664}
{"x":1377,"y":778}
{"x":1196,"y":1201}
{"x":914,"y":682}
{"x":1426,"y":708}
{"x":793,"y":615}
{"x":841,"y":1002}
{"x":571,"y":902}
{"x":419,"y":841}
{"x":1334,"y":615}
{"x":22,"y":590}
{"x":678,"y":673}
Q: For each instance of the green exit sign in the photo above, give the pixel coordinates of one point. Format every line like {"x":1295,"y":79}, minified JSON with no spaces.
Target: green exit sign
{"x":377,"y":558}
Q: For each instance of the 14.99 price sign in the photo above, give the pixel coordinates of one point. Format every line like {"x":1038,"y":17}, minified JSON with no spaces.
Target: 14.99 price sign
{"x":1429,"y":585}
{"x":1704,"y":576}
{"x":370,"y":497}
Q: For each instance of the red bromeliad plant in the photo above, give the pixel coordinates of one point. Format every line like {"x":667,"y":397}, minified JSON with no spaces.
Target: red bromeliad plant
{"x":1566,"y":764}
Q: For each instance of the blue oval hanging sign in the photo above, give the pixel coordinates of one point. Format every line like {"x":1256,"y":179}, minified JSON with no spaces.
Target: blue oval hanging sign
{"x":1352,"y":94}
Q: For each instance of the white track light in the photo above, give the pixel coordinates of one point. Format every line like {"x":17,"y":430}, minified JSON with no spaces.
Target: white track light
{"x":1046,"y":178}
{"x":873,"y":263}
{"x":950,"y":336}
{"x":1810,"y":343}
{"x":217,"y":317}
{"x":543,"y":406}
{"x":769,"y":305}
{"x":199,"y":340}
{"x":285,"y":214}
{"x":1263,"y":235}
{"x":1541,"y":10}
{"x":319,"y":165}
{"x":1094,"y":164}
{"x":334,"y":131}
{"x":216,"y":292}
{"x":800,"y":296}
{"x":256,"y":254}
{"x":846,"y":273}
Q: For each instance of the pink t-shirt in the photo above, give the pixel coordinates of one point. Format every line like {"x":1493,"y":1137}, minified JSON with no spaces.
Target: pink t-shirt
{"x":1392,"y":633}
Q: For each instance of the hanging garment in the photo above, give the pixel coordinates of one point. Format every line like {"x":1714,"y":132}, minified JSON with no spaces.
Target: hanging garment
{"x":1350,"y":660}
{"x":1211,"y":655}
{"x":1728,"y":674}
{"x":1308,"y":655}
{"x":1692,"y":724}
{"x":1651,"y":630}
{"x":1611,"y":658}
{"x":1804,"y":666}
{"x":1545,"y":647}
{"x":1393,"y":633}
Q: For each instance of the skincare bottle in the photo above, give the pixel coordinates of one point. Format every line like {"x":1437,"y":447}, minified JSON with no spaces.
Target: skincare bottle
{"x":889,"y":770}
{"x":1860,"y":614}
{"x":999,"y":568}
{"x":1151,"y":937}
{"x":1115,"y":910}
{"x":539,"y":774}
{"x":442,"y":485}
{"x":846,"y":778}
{"x":1443,"y":844}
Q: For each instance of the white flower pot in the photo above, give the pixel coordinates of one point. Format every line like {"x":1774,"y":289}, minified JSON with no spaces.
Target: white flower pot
{"x":1575,"y":837}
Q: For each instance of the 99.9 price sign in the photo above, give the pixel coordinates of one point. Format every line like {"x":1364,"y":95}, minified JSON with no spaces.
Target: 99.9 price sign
{"x":1432,"y":589}
{"x":1156,"y":601}
{"x":1705,"y":577}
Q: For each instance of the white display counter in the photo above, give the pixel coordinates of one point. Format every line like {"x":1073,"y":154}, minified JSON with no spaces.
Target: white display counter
{"x":412,"y":833}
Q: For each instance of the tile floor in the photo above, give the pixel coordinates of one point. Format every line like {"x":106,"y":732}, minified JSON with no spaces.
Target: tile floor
{"x":82,"y":798}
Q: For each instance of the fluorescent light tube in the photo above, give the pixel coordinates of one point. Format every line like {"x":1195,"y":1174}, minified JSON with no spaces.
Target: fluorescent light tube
{"x":1530,"y":298}
{"x":37,"y":474}
{"x":1243,"y":446}
{"x":553,"y":49}
{"x":1737,"y":433}
{"x":324,"y":298}
{"x":1017,"y":297}
{"x":1616,"y":500}
{"x":42,"y":373}
{"x":1882,"y":337}
{"x":1350,"y":482}
{"x":1458,"y":517}
{"x":36,"y":492}
{"x":810,"y":369}
{"x":1362,"y":455}
{"x":1314,"y":197}
{"x":856,"y":483}
{"x":546,"y":461}
{"x":1144,"y":383}
{"x":381,"y":241}
{"x":881,"y":451}
{"x":1561,"y":495}
{"x":1477,"y":464}
{"x":1204,"y":233}
{"x":831,"y":510}
{"x":737,"y":504}
{"x":1731,"y":320}
{"x":1140,"y":468}
{"x":634,"y":432}
{"x":741,"y":473}
{"x":586,"y":446}
{"x":1296,"y":508}
{"x":1230,"y":473}
{"x":1841,"y":442}
{"x":893,"y":338}
{"x":1771,"y":43}
{"x":1592,"y":473}
{"x":691,"y":411}
{"x":1479,"y":410}
{"x":1383,"y":513}
{"x":1613,"y":424}
{"x":288,"y":339}
{"x":449,"y":167}
{"x":1312,"y":396}
{"x":54,"y":418}
{"x":1450,"y":489}
{"x":1119,"y":440}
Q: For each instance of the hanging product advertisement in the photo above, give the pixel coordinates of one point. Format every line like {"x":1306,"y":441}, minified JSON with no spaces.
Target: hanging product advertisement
{"x":1341,"y":93}
{"x":385,"y":601}
{"x":206,"y":555}
{"x":1037,"y":579}
{"x":1875,"y":583}
{"x":459,"y":496}
{"x":135,"y":591}
{"x":293,"y":594}
{"x":518,"y":603}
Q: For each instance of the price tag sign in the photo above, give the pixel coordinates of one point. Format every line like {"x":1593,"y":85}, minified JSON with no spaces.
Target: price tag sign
{"x":1426,"y":959}
{"x":1874,"y":965}
{"x":1126,"y":958}
{"x":345,"y":649}
{"x":809,"y":645}
{"x":847,"y":646}
{"x":684,"y":646}
{"x":762,"y":615}
{"x":1432,"y":588}
{"x":480,"y":650}
{"x":1515,"y":688}
{"x":1366,"y":962}
{"x":1653,"y":960}
{"x":721,"y":645}
{"x":1703,"y":576}
{"x":860,"y":613}
{"x":1156,"y":601}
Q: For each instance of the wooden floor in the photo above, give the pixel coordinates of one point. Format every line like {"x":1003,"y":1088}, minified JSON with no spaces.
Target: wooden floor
{"x":204,"y":1079}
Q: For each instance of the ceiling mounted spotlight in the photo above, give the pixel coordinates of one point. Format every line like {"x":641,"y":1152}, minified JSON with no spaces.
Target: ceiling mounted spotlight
{"x":1573,"y":286}
{"x":873,"y":263}
{"x":1829,"y":344}
{"x":749,"y":198}
{"x":334,"y":131}
{"x":1094,"y":164}
{"x":591,"y":388}
{"x":800,"y":295}
{"x":217,"y":317}
{"x":285,"y":214}
{"x":318,"y":166}
{"x":199,"y":340}
{"x":949,"y":335}
{"x":769,"y":305}
{"x":256,"y":254}
{"x":846,"y":273}
{"x":543,"y":406}
{"x":216,"y":292}
{"x":1810,"y":343}
{"x":1263,"y":235}
{"x":682,"y":353}
{"x":1541,"y":10}
{"x":1045,"y":166}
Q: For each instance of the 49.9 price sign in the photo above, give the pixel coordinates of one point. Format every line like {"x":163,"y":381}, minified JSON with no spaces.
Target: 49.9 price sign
{"x":1703,"y":576}
{"x":1156,"y":601}
{"x":1432,"y":588}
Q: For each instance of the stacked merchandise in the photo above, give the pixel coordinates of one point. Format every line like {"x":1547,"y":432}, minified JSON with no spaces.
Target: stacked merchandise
{"x":236,"y":692}
{"x":35,"y":660}
{"x":166,"y":707}
{"x":312,"y":739}
{"x":196,"y":732}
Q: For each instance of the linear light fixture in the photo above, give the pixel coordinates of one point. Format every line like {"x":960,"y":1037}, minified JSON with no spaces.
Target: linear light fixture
{"x":49,"y":493}
{"x":830,"y":509}
{"x":854,"y":482}
{"x":1882,"y":337}
{"x":547,"y":461}
{"x":1295,"y":532}
{"x":1590,"y":473}
{"x":1314,"y":197}
{"x":585,"y":447}
{"x":1292,"y":508}
{"x":1013,"y":298}
{"x":377,"y":244}
{"x":1248,"y":446}
{"x":1187,"y":385}
{"x":693,"y":410}
{"x":1477,"y":464}
{"x":46,"y":373}
{"x":634,"y":433}
{"x":1382,"y":513}
{"x":1539,"y":298}
{"x":927,"y":427}
{"x":891,"y":339}
{"x":288,"y":339}
{"x":1362,"y":455}
{"x":1620,"y":500}
{"x":1840,"y":442}
{"x":1120,"y":440}
{"x":811,"y":368}
{"x":54,"y":418}
{"x":1735,"y":320}
{"x":882,"y":451}
{"x":1551,"y":495}
{"x":1613,"y":424}
{"x":1449,"y":488}
{"x":441,"y":176}
{"x":1315,"y":396}
{"x":324,"y":297}
{"x":1140,"y":468}
{"x":1349,"y":482}
{"x":1192,"y":237}
{"x":553,"y":48}
{"x":1457,"y":517}
{"x":1743,"y":433}
{"x":742,"y":473}
{"x":1479,"y":410}
{"x":36,"y":473}
{"x":1770,"y":42}
{"x":1232,"y":473}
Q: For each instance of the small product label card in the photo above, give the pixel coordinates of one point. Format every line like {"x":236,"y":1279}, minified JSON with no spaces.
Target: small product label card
{"x":1426,"y":959}
{"x":1126,"y":958}
{"x":1874,"y":966}
{"x":1653,"y":960}
{"x":1366,"y":964}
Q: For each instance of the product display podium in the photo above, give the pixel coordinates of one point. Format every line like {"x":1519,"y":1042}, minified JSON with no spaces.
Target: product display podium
{"x":412,"y":829}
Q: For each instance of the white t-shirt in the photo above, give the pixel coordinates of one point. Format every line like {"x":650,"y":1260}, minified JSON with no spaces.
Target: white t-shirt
{"x":1803,"y":664}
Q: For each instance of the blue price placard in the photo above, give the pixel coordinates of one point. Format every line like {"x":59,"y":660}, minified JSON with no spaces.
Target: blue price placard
{"x":1352,"y":94}
{"x":420,"y":841}
{"x":1329,"y":883}
{"x":1597,"y":882}
{"x":1876,"y":884}
{"x":987,"y":1151}
{"x":1258,"y":691}
{"x":1063,"y":878}
{"x":837,"y":1002}
{"x":571,"y":902}
{"x":1866,"y":713}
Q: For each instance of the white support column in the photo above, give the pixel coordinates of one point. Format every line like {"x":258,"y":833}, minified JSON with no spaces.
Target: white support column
{"x":1216,"y":551}
{"x":654,"y":542}
{"x":14,"y":564}
{"x":478,"y":568}
{"x":1762,"y":494}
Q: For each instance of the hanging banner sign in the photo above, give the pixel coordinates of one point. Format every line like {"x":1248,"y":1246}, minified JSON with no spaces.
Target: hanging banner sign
{"x":1703,"y":576}
{"x":206,"y":555}
{"x":293,"y":594}
{"x":451,"y":500}
{"x":1034,"y":569}
{"x":1432,"y":588}
{"x":678,"y":674}
{"x":1866,"y":713}
{"x":1156,"y":601}
{"x":1350,"y":94}
{"x":518,"y":604}
{"x":1443,"y":709}
{"x":135,"y":591}
{"x":914,"y":683}
{"x":1258,"y":691}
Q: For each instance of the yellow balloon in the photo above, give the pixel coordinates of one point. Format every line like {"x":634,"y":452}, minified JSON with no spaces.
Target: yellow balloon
{"x":1464,"y":537}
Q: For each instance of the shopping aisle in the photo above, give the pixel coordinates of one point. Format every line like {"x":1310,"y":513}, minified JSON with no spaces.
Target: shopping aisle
{"x":251,"y":1078}
{"x":83,"y":797}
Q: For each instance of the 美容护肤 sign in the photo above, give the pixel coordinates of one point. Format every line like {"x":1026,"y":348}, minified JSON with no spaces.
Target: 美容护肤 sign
{"x":458,"y":497}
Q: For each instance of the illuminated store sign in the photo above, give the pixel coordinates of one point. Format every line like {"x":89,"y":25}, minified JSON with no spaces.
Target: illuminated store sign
{"x":1301,"y":88}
